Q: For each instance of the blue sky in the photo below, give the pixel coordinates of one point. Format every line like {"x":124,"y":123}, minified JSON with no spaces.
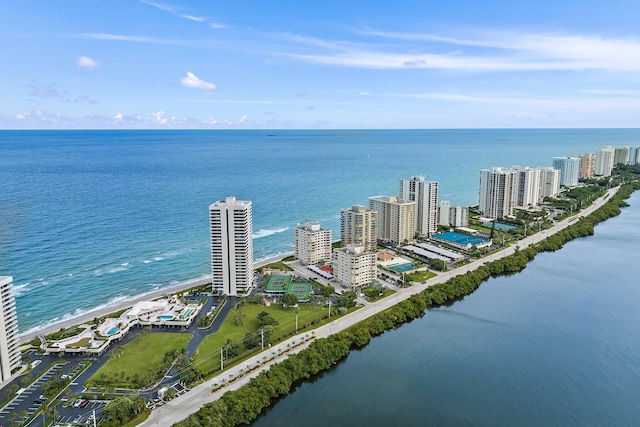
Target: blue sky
{"x":331,"y":64}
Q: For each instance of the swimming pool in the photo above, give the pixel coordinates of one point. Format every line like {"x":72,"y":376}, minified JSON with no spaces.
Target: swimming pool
{"x":165,"y":317}
{"x":113,"y":331}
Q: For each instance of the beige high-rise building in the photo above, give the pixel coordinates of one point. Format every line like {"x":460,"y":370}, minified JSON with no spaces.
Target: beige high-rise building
{"x":425,"y":194}
{"x":312,"y":244}
{"x":587,"y":164}
{"x":395,"y":219}
{"x":358,"y":226}
{"x":355,"y":267}
{"x":231,"y":228}
{"x":9,"y":342}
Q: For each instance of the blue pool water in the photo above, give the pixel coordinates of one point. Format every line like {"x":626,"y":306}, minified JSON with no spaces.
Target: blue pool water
{"x":113,"y":331}
{"x":166,"y":317}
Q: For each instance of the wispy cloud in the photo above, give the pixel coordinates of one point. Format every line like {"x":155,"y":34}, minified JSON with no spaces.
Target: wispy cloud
{"x":191,"y":80}
{"x":174,"y":12}
{"x":87,"y":63}
{"x":483,"y":51}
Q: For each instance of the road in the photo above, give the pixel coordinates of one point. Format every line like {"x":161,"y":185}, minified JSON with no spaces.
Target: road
{"x":235,"y":377}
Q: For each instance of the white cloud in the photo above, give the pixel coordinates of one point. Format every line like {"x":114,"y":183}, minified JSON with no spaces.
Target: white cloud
{"x":192,"y":81}
{"x":159,"y":118}
{"x":482,"y":51}
{"x":194,"y":18}
{"x":87,"y":63}
{"x":118,"y":117}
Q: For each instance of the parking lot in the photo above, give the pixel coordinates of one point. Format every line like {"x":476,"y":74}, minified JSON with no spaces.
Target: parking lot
{"x":80,"y":412}
{"x":28,"y":400}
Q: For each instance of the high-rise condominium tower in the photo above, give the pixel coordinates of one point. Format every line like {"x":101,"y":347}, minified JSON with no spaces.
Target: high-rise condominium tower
{"x":312,"y":243}
{"x":9,"y":343}
{"x":358,"y":227}
{"x":395,"y":219}
{"x":425,"y":194}
{"x":231,"y":246}
{"x":569,"y":170}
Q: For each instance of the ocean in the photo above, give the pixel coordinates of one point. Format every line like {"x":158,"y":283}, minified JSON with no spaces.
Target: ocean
{"x":555,"y":345}
{"x":90,"y":218}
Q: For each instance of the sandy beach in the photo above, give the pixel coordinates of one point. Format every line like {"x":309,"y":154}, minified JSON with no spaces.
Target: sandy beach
{"x":121,"y":305}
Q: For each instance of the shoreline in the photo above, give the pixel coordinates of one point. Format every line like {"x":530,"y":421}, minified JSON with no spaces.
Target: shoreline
{"x":127,"y":303}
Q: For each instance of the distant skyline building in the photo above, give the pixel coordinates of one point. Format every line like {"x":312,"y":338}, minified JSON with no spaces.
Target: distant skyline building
{"x":231,"y":232}
{"x":354,"y":266}
{"x":425,"y":194}
{"x":312,"y":244}
{"x":358,"y":226}
{"x":452,"y":216}
{"x":621,"y":156}
{"x":549,"y":182}
{"x":569,"y":170}
{"x":604,"y":161}
{"x":587,"y":164}
{"x":9,"y":341}
{"x":395,"y":219}
{"x":634,"y":155}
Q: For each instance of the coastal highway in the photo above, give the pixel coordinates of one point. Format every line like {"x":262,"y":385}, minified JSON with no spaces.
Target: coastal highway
{"x":237,"y":376}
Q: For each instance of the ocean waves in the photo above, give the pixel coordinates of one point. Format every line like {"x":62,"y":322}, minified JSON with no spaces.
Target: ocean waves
{"x":266,"y":233}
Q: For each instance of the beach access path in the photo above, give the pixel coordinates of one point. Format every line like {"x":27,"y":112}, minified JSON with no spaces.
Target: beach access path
{"x":239,"y":375}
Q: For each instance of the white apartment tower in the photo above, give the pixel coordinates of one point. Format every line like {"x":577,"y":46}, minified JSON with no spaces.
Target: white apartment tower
{"x":527,"y":186}
{"x":355,"y":267}
{"x":549,"y":182}
{"x":358,"y":226}
{"x":587,"y":163}
{"x":604,"y":161}
{"x":443,"y":213}
{"x":312,"y":244}
{"x":569,"y":170}
{"x":425,"y":194}
{"x":459,"y":216}
{"x":231,"y":246}
{"x":498,"y":192}
{"x":9,"y":342}
{"x":634,"y":155}
{"x":395,"y":219}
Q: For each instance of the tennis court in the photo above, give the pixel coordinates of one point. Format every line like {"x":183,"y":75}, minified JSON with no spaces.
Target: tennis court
{"x":402,"y":268}
{"x":459,"y":238}
{"x":278,"y":284}
{"x":302,"y":290}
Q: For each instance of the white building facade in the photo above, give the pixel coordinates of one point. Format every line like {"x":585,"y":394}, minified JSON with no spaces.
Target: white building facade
{"x":425,"y":194}
{"x":9,"y":342}
{"x":312,"y":244}
{"x":604,"y":161}
{"x":549,"y":182}
{"x":569,"y":170}
{"x":443,"y":213}
{"x":459,"y":216}
{"x":358,"y":226}
{"x":498,"y":192}
{"x":634,"y":155}
{"x":621,"y":155}
{"x":354,"y":266}
{"x":231,"y":230}
{"x":395,"y":219}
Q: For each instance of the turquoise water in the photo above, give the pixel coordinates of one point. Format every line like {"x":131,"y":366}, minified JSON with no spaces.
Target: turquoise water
{"x":101,"y":216}
{"x":555,"y":345}
{"x":113,"y":331}
{"x":165,"y":317}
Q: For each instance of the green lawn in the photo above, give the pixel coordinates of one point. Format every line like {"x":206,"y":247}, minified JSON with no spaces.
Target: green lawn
{"x":419,"y":276}
{"x":141,"y":359}
{"x":207,"y":357}
{"x":281,"y":266}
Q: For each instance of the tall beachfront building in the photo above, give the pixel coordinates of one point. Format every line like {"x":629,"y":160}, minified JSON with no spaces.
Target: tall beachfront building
{"x":549,"y":182}
{"x":231,"y":246}
{"x":9,"y":342}
{"x":395,"y":219}
{"x":425,"y":194}
{"x":443,"y":213}
{"x":452,"y":216}
{"x":604,"y":161}
{"x":569,"y":170}
{"x":621,"y":155}
{"x":498,"y":192}
{"x":587,"y":163}
{"x":634,"y":155}
{"x":358,"y":226}
{"x":312,"y":244}
{"x":354,"y":266}
{"x":527,"y":186}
